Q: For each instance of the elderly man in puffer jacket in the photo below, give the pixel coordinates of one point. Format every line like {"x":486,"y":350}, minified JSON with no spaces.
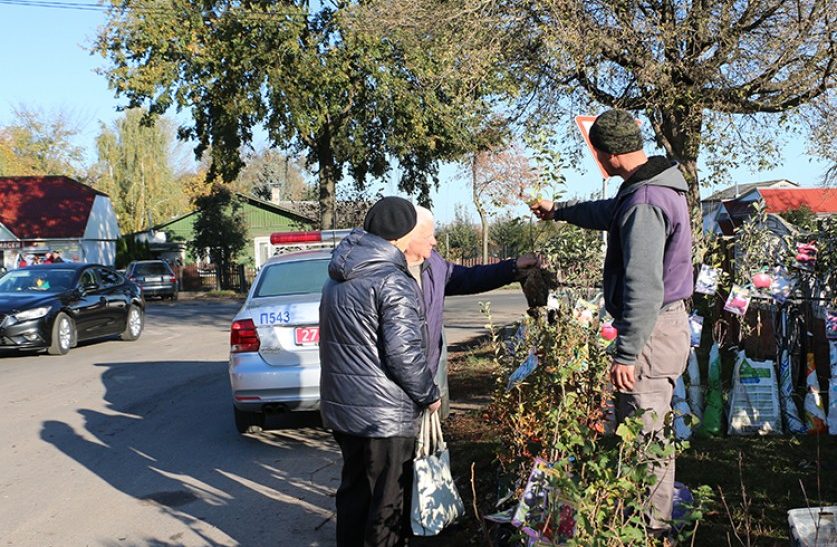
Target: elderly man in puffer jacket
{"x":374,"y":380}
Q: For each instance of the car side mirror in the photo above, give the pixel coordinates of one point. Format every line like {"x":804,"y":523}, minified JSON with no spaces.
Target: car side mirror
{"x":84,"y":289}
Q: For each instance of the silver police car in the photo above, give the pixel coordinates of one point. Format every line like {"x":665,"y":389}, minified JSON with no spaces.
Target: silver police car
{"x":274,"y":358}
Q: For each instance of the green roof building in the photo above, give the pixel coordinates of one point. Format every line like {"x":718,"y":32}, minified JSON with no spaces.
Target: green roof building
{"x":262,"y":219}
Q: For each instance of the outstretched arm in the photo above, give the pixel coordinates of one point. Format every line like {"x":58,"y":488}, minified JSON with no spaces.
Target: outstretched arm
{"x":593,"y":215}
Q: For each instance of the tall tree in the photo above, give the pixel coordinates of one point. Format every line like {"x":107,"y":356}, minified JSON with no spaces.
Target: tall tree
{"x":498,"y":178}
{"x":511,"y":235}
{"x":135,"y":169}
{"x":314,"y":77}
{"x":269,"y":173}
{"x":40,"y":143}
{"x":692,"y":67}
{"x":220,"y":231}
{"x":715,"y":79}
{"x":459,"y":239}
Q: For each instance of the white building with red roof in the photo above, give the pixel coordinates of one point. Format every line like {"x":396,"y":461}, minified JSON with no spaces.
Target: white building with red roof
{"x":55,"y":213}
{"x":733,"y":212}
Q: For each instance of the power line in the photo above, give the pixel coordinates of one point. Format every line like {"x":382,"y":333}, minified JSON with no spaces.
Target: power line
{"x":243,"y":13}
{"x":56,"y":5}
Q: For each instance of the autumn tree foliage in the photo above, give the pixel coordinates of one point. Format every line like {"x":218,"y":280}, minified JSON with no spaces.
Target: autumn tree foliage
{"x":716,"y":82}
{"x":499,"y":177}
{"x":351,"y":101}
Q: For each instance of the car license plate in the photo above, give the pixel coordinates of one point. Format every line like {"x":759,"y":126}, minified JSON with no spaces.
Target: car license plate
{"x":307,"y":336}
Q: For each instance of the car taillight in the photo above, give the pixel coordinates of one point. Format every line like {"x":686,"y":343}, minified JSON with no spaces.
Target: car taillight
{"x":172,"y":279}
{"x":243,"y":336}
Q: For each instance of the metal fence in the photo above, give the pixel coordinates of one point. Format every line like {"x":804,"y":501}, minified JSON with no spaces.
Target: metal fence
{"x":237,"y":278}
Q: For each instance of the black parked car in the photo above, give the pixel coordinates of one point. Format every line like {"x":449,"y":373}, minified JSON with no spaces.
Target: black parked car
{"x":155,"y":278}
{"x":54,"y":306}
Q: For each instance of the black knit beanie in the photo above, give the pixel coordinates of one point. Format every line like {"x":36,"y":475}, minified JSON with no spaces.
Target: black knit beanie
{"x":390,"y":218}
{"x":616,"y":132}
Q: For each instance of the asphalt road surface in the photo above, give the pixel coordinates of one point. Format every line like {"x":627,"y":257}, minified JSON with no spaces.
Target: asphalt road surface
{"x":133,"y":443}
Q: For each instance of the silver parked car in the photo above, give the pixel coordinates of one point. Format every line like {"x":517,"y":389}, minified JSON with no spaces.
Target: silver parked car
{"x":155,"y":278}
{"x":274,"y":358}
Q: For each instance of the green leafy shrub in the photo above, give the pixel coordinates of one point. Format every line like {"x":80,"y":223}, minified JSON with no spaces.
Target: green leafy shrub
{"x":560,"y":413}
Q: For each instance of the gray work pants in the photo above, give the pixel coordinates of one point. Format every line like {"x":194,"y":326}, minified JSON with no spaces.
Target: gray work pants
{"x":663,"y":359}
{"x":442,"y":379}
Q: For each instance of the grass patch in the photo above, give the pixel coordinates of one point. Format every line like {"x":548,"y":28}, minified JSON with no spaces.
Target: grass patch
{"x":223,"y":294}
{"x":771,"y":471}
{"x":771,"y":467}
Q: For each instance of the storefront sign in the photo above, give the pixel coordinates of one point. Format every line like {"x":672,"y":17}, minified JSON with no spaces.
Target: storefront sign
{"x":10,"y":245}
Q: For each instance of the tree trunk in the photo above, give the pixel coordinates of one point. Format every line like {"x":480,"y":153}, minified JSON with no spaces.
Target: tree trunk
{"x":327,"y":181}
{"x":480,"y":209}
{"x":688,"y":166}
{"x":679,"y":131}
{"x":484,"y":223}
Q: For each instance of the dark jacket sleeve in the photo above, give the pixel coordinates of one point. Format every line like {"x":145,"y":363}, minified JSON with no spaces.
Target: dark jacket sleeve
{"x":402,"y":331}
{"x":643,"y":238}
{"x":594,"y":215}
{"x":478,"y":279}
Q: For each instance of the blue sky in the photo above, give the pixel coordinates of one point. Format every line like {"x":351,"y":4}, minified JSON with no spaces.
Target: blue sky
{"x":44,"y":64}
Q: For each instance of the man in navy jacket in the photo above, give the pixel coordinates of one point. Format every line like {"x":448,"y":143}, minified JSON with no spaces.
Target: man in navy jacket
{"x":374,"y":379}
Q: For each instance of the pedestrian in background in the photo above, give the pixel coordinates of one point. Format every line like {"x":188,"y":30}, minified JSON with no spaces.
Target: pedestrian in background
{"x":374,"y":380}
{"x":647,"y":275}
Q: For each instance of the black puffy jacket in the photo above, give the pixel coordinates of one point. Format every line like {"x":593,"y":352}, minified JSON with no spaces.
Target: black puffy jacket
{"x":374,"y":379}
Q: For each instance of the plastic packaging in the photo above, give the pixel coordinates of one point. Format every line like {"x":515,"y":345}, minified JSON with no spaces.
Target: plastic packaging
{"x":790,"y":413}
{"x":695,"y":390}
{"x":707,"y":281}
{"x":695,"y":329}
{"x":530,"y":515}
{"x":814,"y":411}
{"x":682,"y":502}
{"x":713,"y":412}
{"x":782,"y":285}
{"x":526,"y":368}
{"x":813,"y":526}
{"x":682,"y":420}
{"x":832,"y":406}
{"x":754,"y":401}
{"x":738,"y":300}
{"x":832,"y":352}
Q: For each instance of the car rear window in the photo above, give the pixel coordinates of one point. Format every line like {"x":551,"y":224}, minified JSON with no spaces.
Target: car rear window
{"x":299,"y":277}
{"x":151,"y":268}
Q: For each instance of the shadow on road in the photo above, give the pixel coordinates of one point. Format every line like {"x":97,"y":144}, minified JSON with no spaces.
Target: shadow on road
{"x":176,"y":448}
{"x":195,"y":312}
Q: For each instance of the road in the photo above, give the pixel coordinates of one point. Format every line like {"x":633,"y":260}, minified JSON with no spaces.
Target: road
{"x":133,"y":443}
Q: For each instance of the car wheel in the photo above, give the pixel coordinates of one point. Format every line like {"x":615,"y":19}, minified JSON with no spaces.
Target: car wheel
{"x":134,"y":324}
{"x":63,"y":335}
{"x":248,"y":422}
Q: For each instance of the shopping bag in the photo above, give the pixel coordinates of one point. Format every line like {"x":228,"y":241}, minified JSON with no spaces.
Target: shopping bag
{"x":436,"y":502}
